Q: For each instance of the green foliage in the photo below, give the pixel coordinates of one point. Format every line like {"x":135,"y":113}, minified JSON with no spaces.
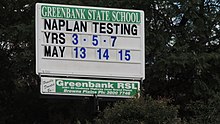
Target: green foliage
{"x":140,"y":111}
{"x":182,"y":52}
{"x":205,"y":112}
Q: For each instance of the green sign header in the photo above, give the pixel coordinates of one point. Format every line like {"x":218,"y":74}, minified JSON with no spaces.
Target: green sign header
{"x":90,"y":14}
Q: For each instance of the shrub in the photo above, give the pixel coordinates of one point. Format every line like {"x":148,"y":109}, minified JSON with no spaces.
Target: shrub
{"x":140,"y":111}
{"x":205,"y":112}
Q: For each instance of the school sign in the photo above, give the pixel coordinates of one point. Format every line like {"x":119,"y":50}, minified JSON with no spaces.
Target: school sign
{"x":91,"y":42}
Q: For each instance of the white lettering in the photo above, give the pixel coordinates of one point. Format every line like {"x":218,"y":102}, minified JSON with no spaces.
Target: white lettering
{"x":59,"y":83}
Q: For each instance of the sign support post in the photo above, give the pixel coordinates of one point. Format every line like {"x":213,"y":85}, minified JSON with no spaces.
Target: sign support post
{"x":96,"y":103}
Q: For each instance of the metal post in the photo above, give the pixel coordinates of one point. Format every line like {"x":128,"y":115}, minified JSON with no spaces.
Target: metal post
{"x":96,"y":104}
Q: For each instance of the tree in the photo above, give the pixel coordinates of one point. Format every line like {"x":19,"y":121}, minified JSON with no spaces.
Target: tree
{"x":182,"y":51}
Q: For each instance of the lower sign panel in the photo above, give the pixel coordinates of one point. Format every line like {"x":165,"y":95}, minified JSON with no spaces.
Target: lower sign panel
{"x":86,"y":87}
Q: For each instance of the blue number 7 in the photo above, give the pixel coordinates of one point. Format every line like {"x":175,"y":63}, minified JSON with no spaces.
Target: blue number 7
{"x":113,"y":40}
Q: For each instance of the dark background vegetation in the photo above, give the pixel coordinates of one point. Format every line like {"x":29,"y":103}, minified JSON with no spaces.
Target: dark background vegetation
{"x":182,"y":67}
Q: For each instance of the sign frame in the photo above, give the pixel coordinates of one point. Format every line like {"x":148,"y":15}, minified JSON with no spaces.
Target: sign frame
{"x":117,"y":73}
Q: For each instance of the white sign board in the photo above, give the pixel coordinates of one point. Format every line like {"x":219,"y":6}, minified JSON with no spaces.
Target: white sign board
{"x":85,"y":41}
